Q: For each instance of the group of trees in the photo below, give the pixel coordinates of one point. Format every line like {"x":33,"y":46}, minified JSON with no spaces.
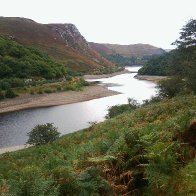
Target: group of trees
{"x":23,"y":62}
{"x":126,"y":61}
{"x":18,"y":63}
{"x":179,"y":64}
{"x":21,"y":66}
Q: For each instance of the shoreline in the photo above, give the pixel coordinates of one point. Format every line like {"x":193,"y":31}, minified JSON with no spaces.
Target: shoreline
{"x":92,"y":77}
{"x":88,"y":93}
{"x":54,"y":99}
{"x":13,"y":148}
{"x":150,"y":78}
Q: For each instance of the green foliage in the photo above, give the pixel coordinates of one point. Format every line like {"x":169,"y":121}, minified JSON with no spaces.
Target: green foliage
{"x":179,"y":64}
{"x":75,"y":85}
{"x":157,"y":65}
{"x":48,"y":91}
{"x":43,"y":134}
{"x":119,"y":109}
{"x":187,"y":179}
{"x":147,"y":151}
{"x":92,"y":183}
{"x":126,"y":61}
{"x":10,"y":93}
{"x":26,"y":70}
{"x":187,"y":35}
{"x":170,"y":87}
{"x":11,"y":83}
{"x":2,"y":96}
{"x":17,"y":61}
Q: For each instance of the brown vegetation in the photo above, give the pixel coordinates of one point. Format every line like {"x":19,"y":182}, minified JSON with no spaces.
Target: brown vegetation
{"x":127,"y":50}
{"x":48,"y":39}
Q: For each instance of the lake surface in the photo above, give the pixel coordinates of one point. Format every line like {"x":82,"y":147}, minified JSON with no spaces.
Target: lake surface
{"x":72,"y":117}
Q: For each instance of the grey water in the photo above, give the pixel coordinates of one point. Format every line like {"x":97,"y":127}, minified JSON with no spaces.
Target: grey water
{"x":14,"y":126}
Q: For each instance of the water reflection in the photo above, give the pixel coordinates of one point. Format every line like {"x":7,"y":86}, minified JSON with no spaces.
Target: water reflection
{"x":69,"y":118}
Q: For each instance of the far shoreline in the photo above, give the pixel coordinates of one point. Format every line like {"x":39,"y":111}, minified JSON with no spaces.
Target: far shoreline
{"x":91,"y":92}
{"x":92,"y":77}
{"x":28,"y":101}
{"x":150,"y":78}
{"x":88,"y":93}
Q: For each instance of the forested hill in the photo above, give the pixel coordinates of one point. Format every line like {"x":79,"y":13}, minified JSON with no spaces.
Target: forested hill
{"x":18,"y":61}
{"x":62,"y":42}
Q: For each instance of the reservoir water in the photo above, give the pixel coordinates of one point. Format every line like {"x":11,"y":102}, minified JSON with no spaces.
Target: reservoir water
{"x":72,"y":117}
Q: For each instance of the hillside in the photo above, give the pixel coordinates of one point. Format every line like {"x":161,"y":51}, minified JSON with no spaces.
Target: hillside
{"x":18,"y":61}
{"x":135,"y":50}
{"x":127,"y":55}
{"x":62,"y":42}
{"x":149,"y":151}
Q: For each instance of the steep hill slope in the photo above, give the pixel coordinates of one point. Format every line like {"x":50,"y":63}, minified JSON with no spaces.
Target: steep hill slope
{"x":62,"y":42}
{"x":135,"y":50}
{"x":149,"y":151}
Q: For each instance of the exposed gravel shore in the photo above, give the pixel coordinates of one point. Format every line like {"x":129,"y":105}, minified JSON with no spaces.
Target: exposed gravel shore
{"x":53,"y":99}
{"x":13,"y":148}
{"x":88,"y":77}
{"x":45,"y":100}
{"x":150,"y":78}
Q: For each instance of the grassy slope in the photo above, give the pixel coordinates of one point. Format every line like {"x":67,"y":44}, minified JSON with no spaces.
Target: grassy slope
{"x":141,"y":152}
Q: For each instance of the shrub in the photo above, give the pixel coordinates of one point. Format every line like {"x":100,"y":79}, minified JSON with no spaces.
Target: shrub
{"x":91,"y":183}
{"x":43,"y":134}
{"x":48,"y":91}
{"x":10,"y":93}
{"x":1,"y":95}
{"x":58,"y":89}
{"x":32,"y":92}
{"x":119,"y":109}
{"x":83,"y":82}
{"x":69,"y":78}
{"x":5,"y":84}
{"x":68,"y":88}
{"x":170,"y":87}
{"x":116,"y":110}
{"x":153,"y":99}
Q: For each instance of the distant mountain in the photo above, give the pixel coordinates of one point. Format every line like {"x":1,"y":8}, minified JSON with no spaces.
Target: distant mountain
{"x":135,"y":50}
{"x":127,"y":55}
{"x":62,"y":42}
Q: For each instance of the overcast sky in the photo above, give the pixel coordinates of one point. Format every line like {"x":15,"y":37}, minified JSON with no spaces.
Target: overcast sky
{"x":156,"y":22}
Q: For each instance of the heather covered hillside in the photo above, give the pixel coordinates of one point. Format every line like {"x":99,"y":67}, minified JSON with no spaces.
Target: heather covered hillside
{"x":62,"y":42}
